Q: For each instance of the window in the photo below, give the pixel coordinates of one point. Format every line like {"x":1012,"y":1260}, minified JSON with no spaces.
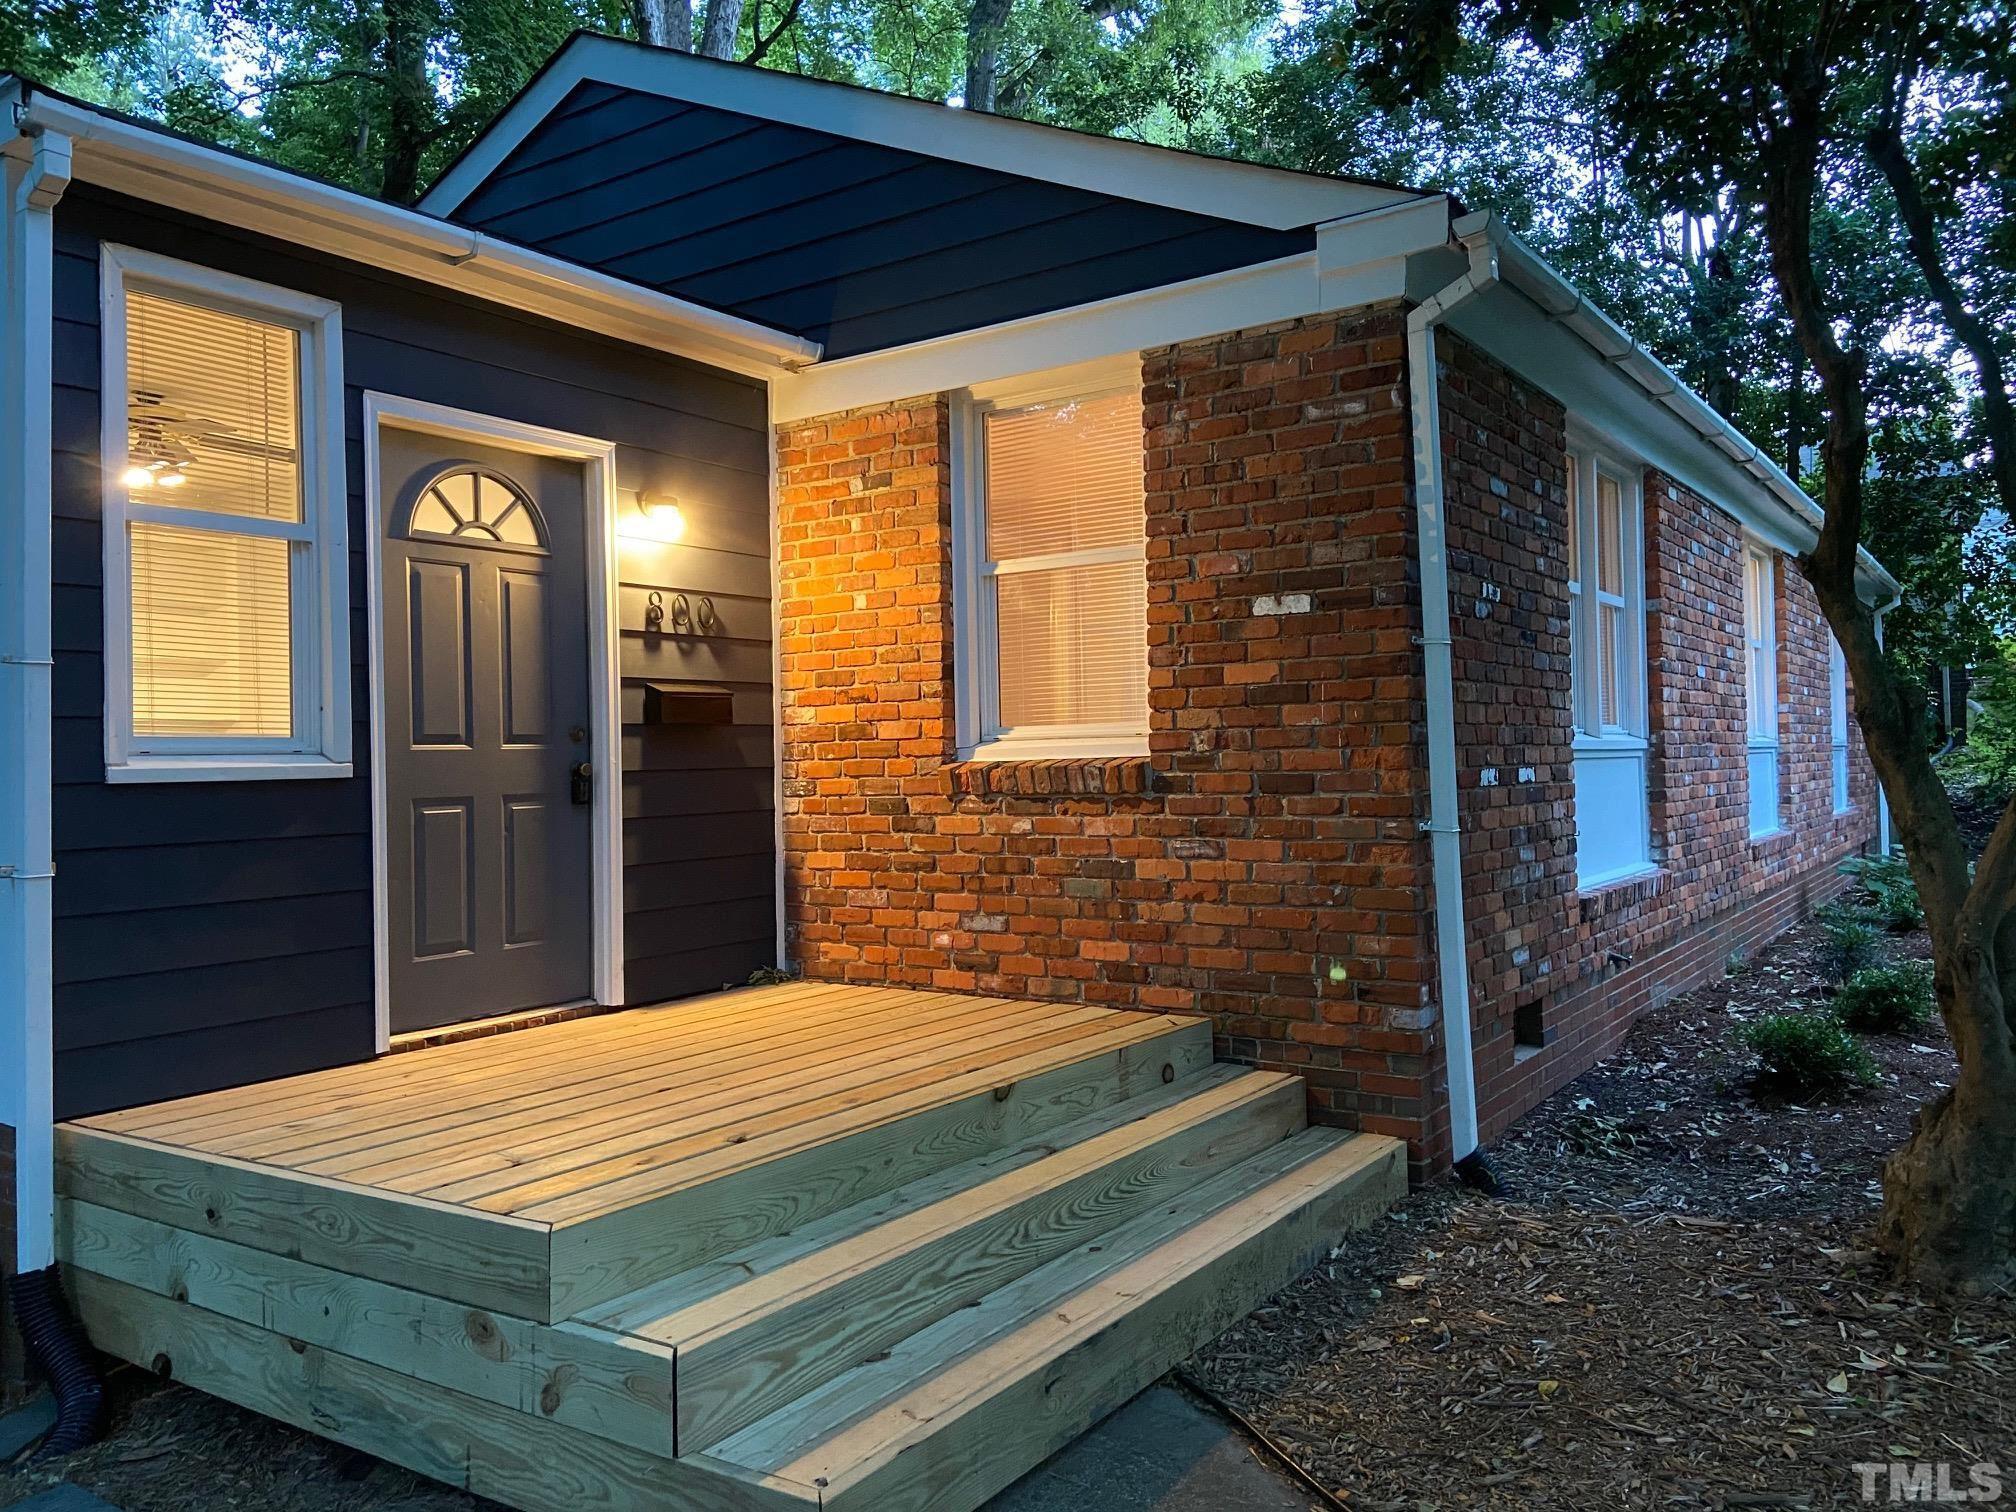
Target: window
{"x":1053,"y":608}
{"x":1760,"y":667}
{"x":1837,"y":708}
{"x":1606,"y":635}
{"x":226,"y":614}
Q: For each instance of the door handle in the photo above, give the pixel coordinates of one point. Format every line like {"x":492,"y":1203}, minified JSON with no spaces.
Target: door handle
{"x":580,"y":781}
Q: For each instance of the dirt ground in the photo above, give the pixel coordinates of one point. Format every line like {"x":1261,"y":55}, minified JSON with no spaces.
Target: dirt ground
{"x":1674,"y":1307}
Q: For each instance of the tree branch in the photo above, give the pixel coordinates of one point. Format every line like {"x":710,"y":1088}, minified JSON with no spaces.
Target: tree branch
{"x":1886,"y":150}
{"x":764,"y":42}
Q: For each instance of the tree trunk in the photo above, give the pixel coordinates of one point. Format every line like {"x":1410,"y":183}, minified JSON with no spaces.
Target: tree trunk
{"x":414,"y":110}
{"x":723,"y":29}
{"x":1950,"y":1193}
{"x":985,"y":23}
{"x":1949,"y":1196}
{"x":664,"y":23}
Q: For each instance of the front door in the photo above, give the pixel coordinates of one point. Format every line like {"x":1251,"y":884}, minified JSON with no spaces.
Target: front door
{"x":485,"y":660}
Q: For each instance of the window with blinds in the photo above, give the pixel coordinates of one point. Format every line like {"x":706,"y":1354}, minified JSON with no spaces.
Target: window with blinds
{"x":1063,"y":568}
{"x":212,"y":440}
{"x":226,"y":644}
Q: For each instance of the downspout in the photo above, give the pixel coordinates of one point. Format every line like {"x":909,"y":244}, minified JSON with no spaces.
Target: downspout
{"x":1882,"y":798}
{"x":34,"y":179}
{"x":1438,"y":667}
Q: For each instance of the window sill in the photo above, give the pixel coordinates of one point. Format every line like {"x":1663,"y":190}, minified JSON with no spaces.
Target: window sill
{"x":1602,"y":896}
{"x":226,"y":769}
{"x":1614,"y":744}
{"x":1054,"y":777}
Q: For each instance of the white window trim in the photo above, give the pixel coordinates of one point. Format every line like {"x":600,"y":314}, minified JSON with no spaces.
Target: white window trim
{"x":1627,"y":741}
{"x":1763,"y":705}
{"x":1837,"y":727}
{"x":320,"y":745}
{"x":976,"y":654}
{"x":1594,"y":457}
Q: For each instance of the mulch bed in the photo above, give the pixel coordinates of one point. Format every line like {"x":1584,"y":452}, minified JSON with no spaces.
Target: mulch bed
{"x":1675,"y":1307}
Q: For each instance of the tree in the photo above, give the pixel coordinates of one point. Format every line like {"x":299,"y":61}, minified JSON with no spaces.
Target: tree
{"x":1793,"y":105}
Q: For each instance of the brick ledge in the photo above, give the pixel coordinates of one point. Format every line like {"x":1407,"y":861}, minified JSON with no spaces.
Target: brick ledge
{"x":1114,"y":777}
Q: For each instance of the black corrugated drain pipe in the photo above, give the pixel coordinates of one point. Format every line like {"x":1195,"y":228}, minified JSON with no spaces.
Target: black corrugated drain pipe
{"x":56,"y":1343}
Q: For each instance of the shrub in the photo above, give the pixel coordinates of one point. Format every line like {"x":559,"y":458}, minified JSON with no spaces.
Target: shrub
{"x":1893,"y":895}
{"x":1809,"y":1054}
{"x":1847,"y":942}
{"x":1886,"y":999}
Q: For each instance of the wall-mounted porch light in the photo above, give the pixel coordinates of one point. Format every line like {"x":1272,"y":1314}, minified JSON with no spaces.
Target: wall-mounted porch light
{"x":658,"y":518}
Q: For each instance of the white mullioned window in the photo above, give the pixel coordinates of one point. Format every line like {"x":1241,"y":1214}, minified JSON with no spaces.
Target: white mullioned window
{"x":1837,"y":710}
{"x":1052,"y":609}
{"x":1760,"y":677}
{"x":1606,"y":614}
{"x":226,"y":567}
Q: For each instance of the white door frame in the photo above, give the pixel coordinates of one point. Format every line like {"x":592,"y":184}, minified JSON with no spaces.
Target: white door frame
{"x":598,"y":459}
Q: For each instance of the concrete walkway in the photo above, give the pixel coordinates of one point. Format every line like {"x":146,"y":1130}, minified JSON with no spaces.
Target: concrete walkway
{"x":1159,"y":1453}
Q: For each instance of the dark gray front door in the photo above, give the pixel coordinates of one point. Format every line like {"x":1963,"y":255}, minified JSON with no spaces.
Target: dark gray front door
{"x":486,"y":712}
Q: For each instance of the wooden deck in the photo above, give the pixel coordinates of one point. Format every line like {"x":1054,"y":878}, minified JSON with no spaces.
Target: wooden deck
{"x":756,"y":1250}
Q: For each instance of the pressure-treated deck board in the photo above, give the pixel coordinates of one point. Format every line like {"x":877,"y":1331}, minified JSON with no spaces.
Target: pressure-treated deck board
{"x":648,"y":1137}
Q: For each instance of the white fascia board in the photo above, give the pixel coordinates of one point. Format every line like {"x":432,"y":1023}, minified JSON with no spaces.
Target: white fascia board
{"x":1605,"y":376}
{"x":1359,"y":260}
{"x":1128,"y":170}
{"x":234,"y":191}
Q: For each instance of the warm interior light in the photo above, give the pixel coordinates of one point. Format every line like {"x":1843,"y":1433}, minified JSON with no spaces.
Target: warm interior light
{"x":658,"y":520}
{"x":173,"y":478}
{"x":137,"y":477}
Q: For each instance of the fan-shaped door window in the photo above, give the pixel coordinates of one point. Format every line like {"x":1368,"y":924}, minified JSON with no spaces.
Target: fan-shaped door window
{"x":477,"y":506}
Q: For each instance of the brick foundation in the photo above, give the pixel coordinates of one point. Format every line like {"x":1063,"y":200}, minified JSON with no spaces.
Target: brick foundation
{"x":1265,"y":864}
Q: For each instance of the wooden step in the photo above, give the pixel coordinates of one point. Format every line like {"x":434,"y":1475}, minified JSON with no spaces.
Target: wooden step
{"x":811,"y":1305}
{"x":957,"y":1411}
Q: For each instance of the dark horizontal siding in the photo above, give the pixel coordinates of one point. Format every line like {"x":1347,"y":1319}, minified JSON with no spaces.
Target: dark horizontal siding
{"x":853,"y":244}
{"x":210,"y":934}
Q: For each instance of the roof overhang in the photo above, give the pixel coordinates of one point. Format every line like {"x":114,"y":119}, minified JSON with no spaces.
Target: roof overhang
{"x":178,"y":174}
{"x":1235,"y":191}
{"x":1536,"y":323}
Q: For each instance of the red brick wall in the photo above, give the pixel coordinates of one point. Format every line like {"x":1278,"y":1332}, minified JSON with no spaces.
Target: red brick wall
{"x":1264,"y":863}
{"x":1533,"y":938}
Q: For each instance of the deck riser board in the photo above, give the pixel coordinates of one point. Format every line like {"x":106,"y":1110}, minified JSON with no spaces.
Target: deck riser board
{"x":602,"y":1383}
{"x":522,"y":1460}
{"x":643,"y":1311}
{"x":820,"y":1318}
{"x":476,"y":1258}
{"x":816,"y":1170}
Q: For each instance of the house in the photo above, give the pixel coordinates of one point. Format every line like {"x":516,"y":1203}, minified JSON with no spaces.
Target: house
{"x":1139,"y":635}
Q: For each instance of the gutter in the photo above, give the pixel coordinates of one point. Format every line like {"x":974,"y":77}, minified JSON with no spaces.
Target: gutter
{"x":33,"y":184}
{"x":152,"y":165}
{"x":1438,"y":671}
{"x":1525,"y":271}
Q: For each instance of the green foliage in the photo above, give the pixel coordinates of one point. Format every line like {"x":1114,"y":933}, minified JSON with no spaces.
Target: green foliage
{"x":1985,"y":767}
{"x":1848,"y":942}
{"x":1886,"y":999}
{"x":1891,"y":889}
{"x":1809,"y":1055}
